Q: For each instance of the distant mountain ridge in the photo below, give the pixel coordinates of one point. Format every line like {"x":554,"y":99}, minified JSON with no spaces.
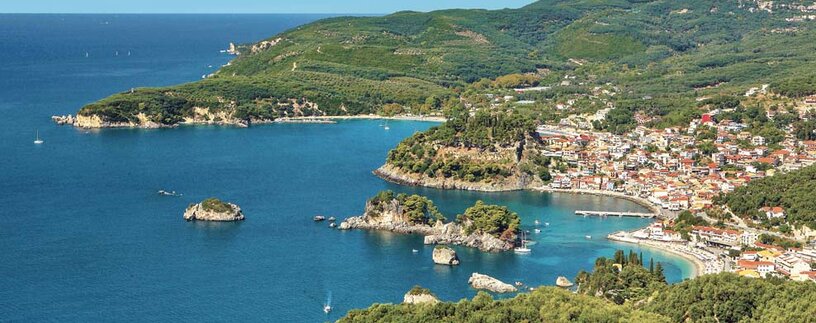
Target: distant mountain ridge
{"x":352,"y":65}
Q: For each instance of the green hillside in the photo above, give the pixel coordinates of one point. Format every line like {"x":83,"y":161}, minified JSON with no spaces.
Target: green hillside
{"x":673,"y":50}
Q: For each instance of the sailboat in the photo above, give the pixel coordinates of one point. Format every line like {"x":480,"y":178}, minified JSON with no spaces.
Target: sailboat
{"x":523,"y":249}
{"x":327,"y":306}
{"x":38,"y":141}
{"x":86,"y":54}
{"x":386,"y":127}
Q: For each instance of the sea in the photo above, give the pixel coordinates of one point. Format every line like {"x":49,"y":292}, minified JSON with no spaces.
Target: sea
{"x":84,"y":236}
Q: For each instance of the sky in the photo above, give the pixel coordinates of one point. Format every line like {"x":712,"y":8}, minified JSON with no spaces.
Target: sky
{"x":246,"y":6}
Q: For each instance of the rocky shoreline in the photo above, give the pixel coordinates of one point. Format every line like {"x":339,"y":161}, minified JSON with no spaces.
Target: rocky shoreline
{"x":392,"y":218}
{"x":207,"y":118}
{"x":394,"y":175}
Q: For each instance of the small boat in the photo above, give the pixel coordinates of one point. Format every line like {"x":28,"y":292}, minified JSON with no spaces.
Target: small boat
{"x":38,"y":141}
{"x":588,"y":237}
{"x":414,"y":251}
{"x":537,"y":230}
{"x":168,"y":193}
{"x":546,"y":224}
{"x":387,"y":128}
{"x":128,"y":53}
{"x":319,"y":218}
{"x":327,"y":306}
{"x":116,"y":54}
{"x":332,"y":219}
{"x":523,"y":249}
{"x":519,"y":284}
{"x":86,"y":54}
{"x":537,"y":222}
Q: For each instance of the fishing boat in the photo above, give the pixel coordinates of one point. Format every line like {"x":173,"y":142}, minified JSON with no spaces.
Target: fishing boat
{"x":38,"y":141}
{"x":523,"y":249}
{"x":537,"y":230}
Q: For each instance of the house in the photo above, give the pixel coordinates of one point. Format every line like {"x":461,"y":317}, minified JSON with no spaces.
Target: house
{"x":762,"y":267}
{"x":713,"y":235}
{"x":773,"y":212}
{"x":791,"y":265}
{"x":758,"y":140}
{"x":750,"y":255}
{"x":749,"y":238}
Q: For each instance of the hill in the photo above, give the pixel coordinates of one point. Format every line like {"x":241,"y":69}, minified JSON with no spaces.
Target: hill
{"x":420,"y":62}
{"x":622,"y":290}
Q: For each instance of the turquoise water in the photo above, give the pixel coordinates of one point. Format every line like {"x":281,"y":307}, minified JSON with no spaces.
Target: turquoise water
{"x":85,"y":236}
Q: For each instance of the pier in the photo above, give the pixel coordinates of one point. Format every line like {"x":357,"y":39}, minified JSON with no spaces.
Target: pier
{"x":613,"y":213}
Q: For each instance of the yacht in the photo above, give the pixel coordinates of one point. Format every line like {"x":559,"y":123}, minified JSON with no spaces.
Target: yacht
{"x":38,"y":141}
{"x":327,"y":306}
{"x":523,"y":249}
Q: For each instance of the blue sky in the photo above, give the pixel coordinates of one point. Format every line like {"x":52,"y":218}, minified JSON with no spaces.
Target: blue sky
{"x":245,"y":6}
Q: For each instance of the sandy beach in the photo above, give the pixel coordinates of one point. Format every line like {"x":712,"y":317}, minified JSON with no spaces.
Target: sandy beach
{"x":698,"y":268}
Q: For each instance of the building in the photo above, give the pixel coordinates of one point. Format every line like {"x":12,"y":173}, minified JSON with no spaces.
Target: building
{"x":773,"y":212}
{"x":762,"y":267}
{"x":723,"y":237}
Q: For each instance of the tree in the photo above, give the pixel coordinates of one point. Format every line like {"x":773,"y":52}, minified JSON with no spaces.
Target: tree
{"x":658,"y":272}
{"x":651,"y":265}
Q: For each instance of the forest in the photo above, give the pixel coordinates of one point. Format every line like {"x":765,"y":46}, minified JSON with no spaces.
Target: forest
{"x":622,"y":289}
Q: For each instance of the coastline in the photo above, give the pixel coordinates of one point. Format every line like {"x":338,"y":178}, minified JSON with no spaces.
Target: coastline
{"x":371,"y":117}
{"x":698,"y":267}
{"x":635,"y":199}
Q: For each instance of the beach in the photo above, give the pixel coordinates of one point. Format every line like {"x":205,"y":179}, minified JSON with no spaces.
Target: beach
{"x":699,"y":267}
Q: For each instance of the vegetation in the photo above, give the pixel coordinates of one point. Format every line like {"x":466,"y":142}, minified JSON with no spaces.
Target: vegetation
{"x":629,"y":294}
{"x":621,"y":279}
{"x":418,"y":209}
{"x":411,"y":62}
{"x":215,"y":205}
{"x":419,"y":290}
{"x":792,"y":191}
{"x":495,"y":220}
{"x":490,"y":131}
{"x":545,"y":304}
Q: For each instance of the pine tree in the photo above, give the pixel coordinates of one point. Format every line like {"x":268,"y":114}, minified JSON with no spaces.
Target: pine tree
{"x":633,"y":258}
{"x":619,"y":257}
{"x":651,"y":265}
{"x":658,"y":271}
{"x":641,"y":259}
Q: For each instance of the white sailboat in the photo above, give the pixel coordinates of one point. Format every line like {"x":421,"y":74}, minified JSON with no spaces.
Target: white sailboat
{"x":38,"y":141}
{"x":523,"y":249}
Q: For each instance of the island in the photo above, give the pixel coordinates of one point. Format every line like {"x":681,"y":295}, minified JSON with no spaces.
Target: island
{"x":490,"y":228}
{"x":213,"y":209}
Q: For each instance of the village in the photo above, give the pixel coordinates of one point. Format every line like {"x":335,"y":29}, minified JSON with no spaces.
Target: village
{"x":672,"y":171}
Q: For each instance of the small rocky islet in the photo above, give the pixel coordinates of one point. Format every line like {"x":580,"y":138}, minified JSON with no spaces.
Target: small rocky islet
{"x":414,"y":214}
{"x":213,"y":209}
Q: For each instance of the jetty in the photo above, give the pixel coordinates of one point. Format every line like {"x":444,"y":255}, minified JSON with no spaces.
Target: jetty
{"x":614,"y":213}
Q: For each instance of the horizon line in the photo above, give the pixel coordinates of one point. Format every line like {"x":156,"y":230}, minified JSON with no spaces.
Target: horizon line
{"x":199,"y":13}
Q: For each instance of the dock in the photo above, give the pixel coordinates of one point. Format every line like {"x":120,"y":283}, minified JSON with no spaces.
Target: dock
{"x":613,"y":213}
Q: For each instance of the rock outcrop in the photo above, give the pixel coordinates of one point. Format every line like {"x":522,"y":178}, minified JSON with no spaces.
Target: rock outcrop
{"x":392,"y":218}
{"x":419,"y":295}
{"x":562,"y":281}
{"x":486,"y":282}
{"x":213,"y":210}
{"x":445,"y":256}
{"x":64,"y":120}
